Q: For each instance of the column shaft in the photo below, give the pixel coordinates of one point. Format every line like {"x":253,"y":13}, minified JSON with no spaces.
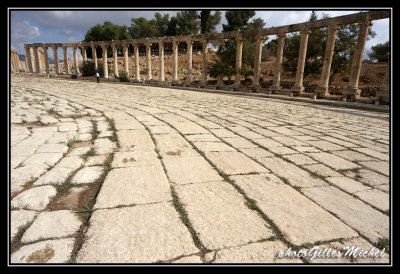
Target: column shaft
{"x":28,"y":59}
{"x":56,"y":63}
{"x":205,"y":64}
{"x":105,"y":63}
{"x":66,"y":65}
{"x":257,"y":61}
{"x":175,"y":53}
{"x":94,"y":57}
{"x":115,"y":60}
{"x":352,"y":88}
{"x":298,"y":86}
{"x":126,"y":60}
{"x":84,"y":56}
{"x":161,"y":56}
{"x":137,"y":63}
{"x":278,"y":64}
{"x":238,"y":65}
{"x":76,"y":60}
{"x":37,"y":60}
{"x":323,"y":88}
{"x":46,"y":60}
{"x":189,"y":44}
{"x":148,"y":60}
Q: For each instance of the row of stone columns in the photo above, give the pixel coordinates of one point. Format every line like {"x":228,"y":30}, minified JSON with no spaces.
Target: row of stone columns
{"x":322,"y":90}
{"x":28,"y":58}
{"x":14,"y":61}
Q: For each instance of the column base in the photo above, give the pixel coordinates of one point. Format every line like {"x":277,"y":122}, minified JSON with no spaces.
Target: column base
{"x":274,"y":88}
{"x":297,"y":89}
{"x":383,"y":95}
{"x":322,"y":92}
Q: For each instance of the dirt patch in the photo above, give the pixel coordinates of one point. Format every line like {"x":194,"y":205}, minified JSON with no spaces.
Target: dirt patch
{"x":41,"y":256}
{"x":81,"y":144}
{"x":174,"y":153}
{"x":75,"y":199}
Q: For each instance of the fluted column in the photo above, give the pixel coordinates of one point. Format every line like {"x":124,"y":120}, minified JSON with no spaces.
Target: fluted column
{"x":28,"y":59}
{"x":189,"y":51}
{"x":257,"y":61}
{"x":323,"y":88}
{"x":126,"y":60}
{"x":105,"y":63}
{"x":94,"y":57}
{"x":137,"y":63}
{"x":66,"y":65}
{"x":115,"y":59}
{"x":148,"y":60}
{"x":56,"y":63}
{"x":205,"y":64}
{"x":46,"y":60}
{"x":84,"y":55}
{"x":278,"y":64}
{"x":76,"y":60}
{"x":175,"y":53}
{"x":37,"y":60}
{"x":12,"y":61}
{"x":238,"y":66}
{"x":352,"y":89}
{"x":161,"y":57}
{"x":298,"y":85}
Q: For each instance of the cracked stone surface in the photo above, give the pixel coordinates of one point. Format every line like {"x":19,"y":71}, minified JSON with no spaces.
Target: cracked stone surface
{"x":168,"y":157}
{"x":53,"y":224}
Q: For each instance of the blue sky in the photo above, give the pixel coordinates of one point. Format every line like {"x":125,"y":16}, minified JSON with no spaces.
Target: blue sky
{"x":36,"y":26}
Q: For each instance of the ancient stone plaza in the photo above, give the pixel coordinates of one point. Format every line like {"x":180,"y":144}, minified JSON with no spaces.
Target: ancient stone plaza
{"x":140,"y":173}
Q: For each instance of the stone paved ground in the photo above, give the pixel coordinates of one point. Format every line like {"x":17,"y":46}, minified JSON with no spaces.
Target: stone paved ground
{"x":114,"y":173}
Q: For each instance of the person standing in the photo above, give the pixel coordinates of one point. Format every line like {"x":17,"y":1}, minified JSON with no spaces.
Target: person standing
{"x":98,"y":77}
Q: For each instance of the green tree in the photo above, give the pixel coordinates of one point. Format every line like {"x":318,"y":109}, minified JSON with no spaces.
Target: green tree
{"x":106,"y":32}
{"x":187,"y":22}
{"x":237,"y":19}
{"x":142,"y":28}
{"x":208,"y":22}
{"x":380,"y":52}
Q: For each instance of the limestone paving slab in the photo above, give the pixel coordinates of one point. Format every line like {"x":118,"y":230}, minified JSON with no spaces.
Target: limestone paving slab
{"x":134,"y":185}
{"x":60,"y":223}
{"x":233,"y":162}
{"x":219,"y":215}
{"x":300,"y":220}
{"x":140,"y":234}
{"x":19,"y":219}
{"x":36,"y":198}
{"x":87,"y":175}
{"x":51,"y":251}
{"x":355,"y":213}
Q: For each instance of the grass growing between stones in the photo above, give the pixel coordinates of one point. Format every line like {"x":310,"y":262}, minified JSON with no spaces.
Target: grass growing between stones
{"x":16,"y":242}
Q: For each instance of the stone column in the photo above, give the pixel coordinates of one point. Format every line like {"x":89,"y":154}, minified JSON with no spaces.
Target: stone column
{"x":175,"y":53}
{"x":115,"y":59}
{"x":37,"y":60}
{"x":161,"y":56}
{"x":323,"y":88}
{"x":66,"y":65}
{"x":189,"y":44}
{"x":352,"y":89}
{"x":384,"y":90}
{"x":56,"y":63}
{"x":238,"y":66}
{"x":84,"y":56}
{"x":12,"y":61}
{"x":205,"y":64}
{"x":126,"y":60}
{"x":148,"y":60}
{"x":137,"y":63}
{"x":278,"y":64}
{"x":105,"y":63}
{"x":46,"y":60}
{"x":94,"y":57}
{"x":298,"y":86}
{"x":76,"y":59}
{"x":257,"y":61}
{"x":28,"y":59}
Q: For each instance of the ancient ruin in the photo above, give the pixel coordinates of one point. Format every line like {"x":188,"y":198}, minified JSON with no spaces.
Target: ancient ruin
{"x":352,"y":91}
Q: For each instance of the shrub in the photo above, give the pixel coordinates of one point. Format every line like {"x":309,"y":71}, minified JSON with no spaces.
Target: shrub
{"x":88,"y":68}
{"x":123,"y":77}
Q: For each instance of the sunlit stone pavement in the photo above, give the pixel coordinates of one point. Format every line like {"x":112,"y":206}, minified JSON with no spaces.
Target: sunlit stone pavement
{"x":113,"y":173}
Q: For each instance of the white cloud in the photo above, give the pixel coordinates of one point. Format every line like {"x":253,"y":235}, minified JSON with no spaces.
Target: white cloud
{"x":23,"y":32}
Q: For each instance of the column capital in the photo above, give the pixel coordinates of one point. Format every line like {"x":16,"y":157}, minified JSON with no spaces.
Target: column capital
{"x":366,"y":23}
{"x":333,"y":27}
{"x":125,"y":46}
{"x":160,"y":43}
{"x":189,"y":41}
{"x":281,"y":35}
{"x":205,"y":41}
{"x":305,"y":32}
